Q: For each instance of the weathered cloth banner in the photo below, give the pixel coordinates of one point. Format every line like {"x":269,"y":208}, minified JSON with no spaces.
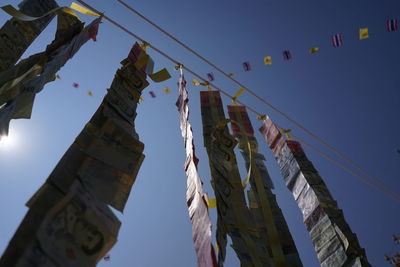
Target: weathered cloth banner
{"x":234,"y":217}
{"x":69,"y":222}
{"x":16,"y":36}
{"x":333,"y":240}
{"x":195,"y":198}
{"x":20,"y":84}
{"x":268,"y":216}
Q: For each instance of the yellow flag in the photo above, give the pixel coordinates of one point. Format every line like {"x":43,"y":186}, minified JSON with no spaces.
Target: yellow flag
{"x":141,"y":99}
{"x":364,"y":33}
{"x":195,"y":82}
{"x":21,"y":16}
{"x":83,"y":10}
{"x":89,"y":93}
{"x":212,"y":203}
{"x":286,"y":132}
{"x":58,"y":77}
{"x":261,"y":117}
{"x":231,"y":74}
{"x":160,"y":76}
{"x":268,"y":60}
{"x":238,"y":93}
{"x":313,"y":50}
{"x":166,"y":90}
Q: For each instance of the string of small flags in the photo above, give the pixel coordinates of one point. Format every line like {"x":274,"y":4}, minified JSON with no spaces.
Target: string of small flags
{"x":336,"y":40}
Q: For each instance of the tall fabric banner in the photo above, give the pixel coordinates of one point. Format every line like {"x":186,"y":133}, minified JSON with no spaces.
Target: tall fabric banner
{"x":69,"y":222}
{"x":20,"y":84}
{"x":234,"y":217}
{"x":16,"y":36}
{"x":195,"y":198}
{"x":333,"y":240}
{"x":268,"y":216}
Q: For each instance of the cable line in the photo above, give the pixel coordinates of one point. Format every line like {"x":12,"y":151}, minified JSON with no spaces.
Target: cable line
{"x":231,"y":97}
{"x":312,"y":134}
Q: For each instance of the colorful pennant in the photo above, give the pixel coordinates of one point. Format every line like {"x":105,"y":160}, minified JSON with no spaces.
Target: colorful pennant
{"x":287,"y":55}
{"x":210,"y":76}
{"x":337,"y":40}
{"x":246,"y":66}
{"x":364,"y":33}
{"x":391,"y":25}
{"x":267,"y":60}
{"x":313,"y":50}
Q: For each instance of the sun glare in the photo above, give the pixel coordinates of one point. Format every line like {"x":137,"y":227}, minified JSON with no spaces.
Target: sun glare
{"x":7,"y":142}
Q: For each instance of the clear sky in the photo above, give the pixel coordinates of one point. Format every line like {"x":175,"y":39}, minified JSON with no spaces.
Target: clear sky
{"x":348,"y":95}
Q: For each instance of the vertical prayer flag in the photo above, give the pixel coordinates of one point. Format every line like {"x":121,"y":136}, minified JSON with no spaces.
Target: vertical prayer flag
{"x":98,"y":170}
{"x":166,"y":90}
{"x":337,"y":40}
{"x":391,"y":25}
{"x":271,"y":223}
{"x":75,"y":85}
{"x":16,"y":35}
{"x":364,"y":33}
{"x":107,"y":257}
{"x":234,"y":217}
{"x":89,"y":93}
{"x":321,"y":214}
{"x":287,"y":55}
{"x":268,"y":60}
{"x":30,"y":75}
{"x":152,"y":94}
{"x":195,"y":198}
{"x":246,"y":66}
{"x":210,"y":76}
{"x":313,"y":50}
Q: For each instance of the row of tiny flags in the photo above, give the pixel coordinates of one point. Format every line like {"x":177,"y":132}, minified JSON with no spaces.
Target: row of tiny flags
{"x":337,"y":40}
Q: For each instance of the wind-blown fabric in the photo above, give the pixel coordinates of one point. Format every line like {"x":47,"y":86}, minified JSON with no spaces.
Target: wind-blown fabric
{"x":333,"y":240}
{"x":20,"y":84}
{"x":16,"y":36}
{"x":269,"y":219}
{"x":195,"y":198}
{"x":234,"y":217}
{"x":69,"y":223}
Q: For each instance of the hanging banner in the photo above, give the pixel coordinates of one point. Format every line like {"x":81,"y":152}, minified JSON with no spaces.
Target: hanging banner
{"x":333,"y":240}
{"x":20,"y":84}
{"x":234,"y":217}
{"x":195,"y":198}
{"x":269,"y":219}
{"x":16,"y":36}
{"x":69,"y":222}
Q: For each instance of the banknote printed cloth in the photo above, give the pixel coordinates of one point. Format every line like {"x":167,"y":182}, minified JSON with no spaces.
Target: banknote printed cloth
{"x":333,"y":240}
{"x":20,"y":84}
{"x":69,"y":222}
{"x":195,"y":197}
{"x":234,"y":217}
{"x":16,"y":36}
{"x":269,"y":218}
{"x":62,"y":230}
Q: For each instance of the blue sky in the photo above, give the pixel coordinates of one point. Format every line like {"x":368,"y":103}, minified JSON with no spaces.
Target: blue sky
{"x":348,"y":95}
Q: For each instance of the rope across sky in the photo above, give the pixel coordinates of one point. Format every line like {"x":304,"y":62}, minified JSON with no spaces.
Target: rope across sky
{"x":384,"y":188}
